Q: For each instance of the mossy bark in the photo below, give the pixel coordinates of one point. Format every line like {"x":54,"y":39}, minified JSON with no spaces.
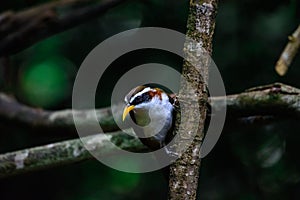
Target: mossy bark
{"x":66,"y":152}
{"x":184,"y":172}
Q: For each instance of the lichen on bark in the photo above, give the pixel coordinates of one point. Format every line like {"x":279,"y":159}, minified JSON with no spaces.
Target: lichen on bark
{"x":184,"y":172}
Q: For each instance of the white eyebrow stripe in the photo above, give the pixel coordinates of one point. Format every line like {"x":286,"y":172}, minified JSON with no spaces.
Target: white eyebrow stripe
{"x":147,"y":89}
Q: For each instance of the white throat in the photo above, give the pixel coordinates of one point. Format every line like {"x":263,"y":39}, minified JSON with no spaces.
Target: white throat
{"x":155,"y":116}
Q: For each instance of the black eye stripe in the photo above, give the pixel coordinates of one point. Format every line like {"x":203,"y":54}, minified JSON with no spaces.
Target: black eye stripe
{"x":141,"y":98}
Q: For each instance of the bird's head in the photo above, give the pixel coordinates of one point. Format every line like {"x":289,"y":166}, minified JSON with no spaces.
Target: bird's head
{"x":145,"y":98}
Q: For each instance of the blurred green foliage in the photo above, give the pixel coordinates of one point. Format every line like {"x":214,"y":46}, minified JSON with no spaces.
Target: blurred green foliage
{"x":45,"y":79}
{"x":44,"y":84}
{"x":250,"y":161}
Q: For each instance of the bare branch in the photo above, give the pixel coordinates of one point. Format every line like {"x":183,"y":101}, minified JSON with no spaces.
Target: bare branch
{"x":276,"y":99}
{"x":288,"y":53}
{"x":66,"y":152}
{"x":20,"y":30}
{"x":10,"y":109}
{"x":272,"y":100}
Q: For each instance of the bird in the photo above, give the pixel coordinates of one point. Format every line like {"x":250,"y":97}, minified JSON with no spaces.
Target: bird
{"x":152,"y":110}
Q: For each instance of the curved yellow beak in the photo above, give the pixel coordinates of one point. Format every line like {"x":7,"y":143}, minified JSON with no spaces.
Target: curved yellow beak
{"x":126,"y":111}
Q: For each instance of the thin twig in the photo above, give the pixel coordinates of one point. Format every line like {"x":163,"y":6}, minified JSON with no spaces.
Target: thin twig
{"x":66,"y":152}
{"x":289,"y":53}
{"x":21,"y":30}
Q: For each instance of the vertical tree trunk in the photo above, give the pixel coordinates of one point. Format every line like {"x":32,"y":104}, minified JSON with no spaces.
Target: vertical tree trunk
{"x":184,"y":173}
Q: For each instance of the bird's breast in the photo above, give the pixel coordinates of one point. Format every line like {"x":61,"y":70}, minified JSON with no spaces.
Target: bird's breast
{"x":154,"y":121}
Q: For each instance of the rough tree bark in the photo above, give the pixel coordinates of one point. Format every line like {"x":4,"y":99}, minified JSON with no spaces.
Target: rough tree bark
{"x":66,"y":152}
{"x":184,"y":172}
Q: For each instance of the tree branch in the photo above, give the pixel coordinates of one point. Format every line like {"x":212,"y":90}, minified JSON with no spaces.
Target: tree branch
{"x":66,"y":152}
{"x":288,"y":53}
{"x":276,"y":99}
{"x":21,"y":30}
{"x":184,"y":172}
{"x":10,"y":109}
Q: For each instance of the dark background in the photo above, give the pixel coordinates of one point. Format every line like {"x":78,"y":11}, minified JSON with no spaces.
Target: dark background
{"x":250,"y":161}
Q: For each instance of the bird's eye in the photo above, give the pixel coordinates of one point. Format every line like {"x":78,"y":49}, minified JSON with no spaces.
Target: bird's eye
{"x":138,"y":99}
